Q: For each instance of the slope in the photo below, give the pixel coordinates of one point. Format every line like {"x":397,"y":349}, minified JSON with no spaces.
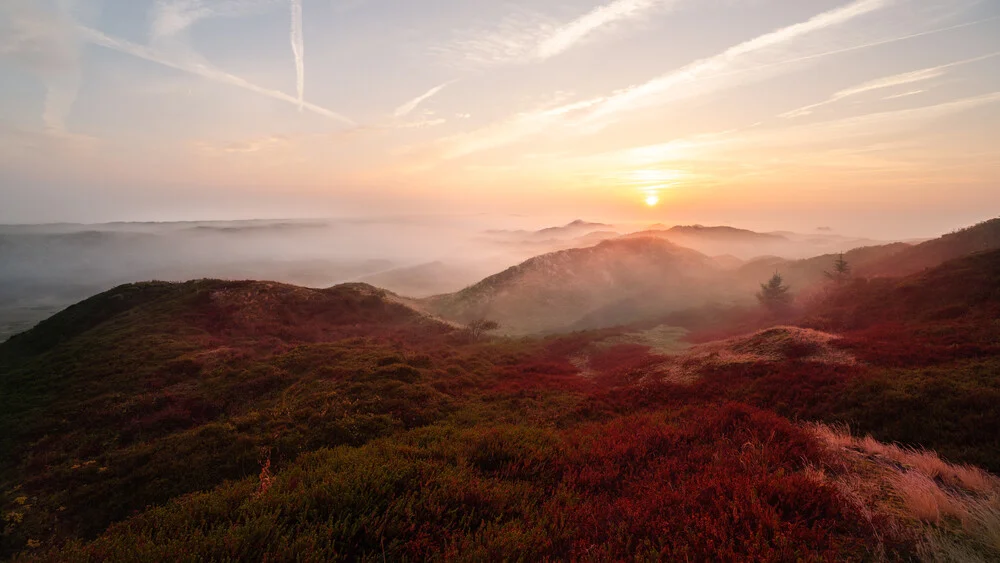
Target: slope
{"x":153,"y":390}
{"x":557,"y":290}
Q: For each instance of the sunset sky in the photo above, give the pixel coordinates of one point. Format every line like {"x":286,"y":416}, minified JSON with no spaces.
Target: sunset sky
{"x":876,"y":117}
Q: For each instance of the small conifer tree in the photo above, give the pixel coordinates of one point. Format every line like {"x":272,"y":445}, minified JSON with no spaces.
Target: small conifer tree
{"x":774,"y":294}
{"x":841,"y":270}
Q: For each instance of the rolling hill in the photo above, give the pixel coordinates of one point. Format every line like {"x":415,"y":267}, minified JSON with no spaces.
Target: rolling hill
{"x":977,"y":238}
{"x":561,"y":289}
{"x":221,"y":420}
{"x":746,"y":245}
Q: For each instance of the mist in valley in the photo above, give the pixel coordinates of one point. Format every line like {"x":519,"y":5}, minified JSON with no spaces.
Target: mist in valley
{"x":45,"y":268}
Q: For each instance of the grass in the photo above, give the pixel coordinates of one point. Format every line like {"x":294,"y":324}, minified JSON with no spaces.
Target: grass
{"x":953,"y":511}
{"x":243,"y":420}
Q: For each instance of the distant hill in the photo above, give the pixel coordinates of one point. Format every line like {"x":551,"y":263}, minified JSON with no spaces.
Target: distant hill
{"x":424,"y":280}
{"x":977,"y":238}
{"x":575,"y":228}
{"x":557,"y":290}
{"x":807,"y":273}
{"x":966,"y":288}
{"x":728,"y":261}
{"x":888,"y":260}
{"x":746,"y":244}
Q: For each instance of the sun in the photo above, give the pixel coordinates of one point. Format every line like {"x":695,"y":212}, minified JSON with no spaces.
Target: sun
{"x":652,"y":200}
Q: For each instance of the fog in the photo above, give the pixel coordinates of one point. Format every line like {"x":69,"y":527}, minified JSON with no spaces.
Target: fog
{"x":44,"y":268}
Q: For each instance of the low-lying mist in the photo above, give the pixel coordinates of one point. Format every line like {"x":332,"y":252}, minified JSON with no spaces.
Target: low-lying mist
{"x":44,"y":268}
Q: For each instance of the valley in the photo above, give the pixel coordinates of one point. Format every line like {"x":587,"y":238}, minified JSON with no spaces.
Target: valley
{"x":261,"y":420}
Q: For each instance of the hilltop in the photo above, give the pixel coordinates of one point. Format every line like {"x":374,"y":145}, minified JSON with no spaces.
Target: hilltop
{"x":747,"y":245}
{"x":557,"y":290}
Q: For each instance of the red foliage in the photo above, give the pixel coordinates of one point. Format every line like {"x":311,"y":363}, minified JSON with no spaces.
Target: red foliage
{"x":723,"y":486}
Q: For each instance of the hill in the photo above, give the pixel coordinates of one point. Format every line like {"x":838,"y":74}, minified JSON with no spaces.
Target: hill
{"x":153,"y":390}
{"x":249,"y":421}
{"x":424,"y":280}
{"x":745,"y":244}
{"x":560,"y":289}
{"x":575,"y":228}
{"x":805,"y":274}
{"x":977,"y":238}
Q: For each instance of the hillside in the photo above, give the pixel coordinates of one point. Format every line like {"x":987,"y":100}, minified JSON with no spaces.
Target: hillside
{"x":153,"y":390}
{"x":602,"y":284}
{"x":250,"y":421}
{"x":806,"y":274}
{"x":977,"y":238}
{"x":746,"y":244}
{"x":966,"y":289}
{"x":424,"y":280}
{"x":889,"y":260}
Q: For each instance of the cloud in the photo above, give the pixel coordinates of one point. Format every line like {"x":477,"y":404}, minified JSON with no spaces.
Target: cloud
{"x":892,"y":81}
{"x":298,"y":50}
{"x":261,"y":144}
{"x":203,"y":70}
{"x":732,"y":59}
{"x":906,"y":94}
{"x":526,"y":36}
{"x":791,"y":138}
{"x":44,"y":42}
{"x":510,"y":130}
{"x":566,"y":36}
{"x":727,"y":69}
{"x":698,"y":77}
{"x":172,"y":18}
{"x":408,"y":107}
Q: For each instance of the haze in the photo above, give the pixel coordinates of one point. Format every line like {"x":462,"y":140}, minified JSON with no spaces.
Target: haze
{"x":853,"y":115}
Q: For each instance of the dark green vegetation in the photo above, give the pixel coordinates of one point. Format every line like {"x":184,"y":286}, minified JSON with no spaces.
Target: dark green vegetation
{"x":246,"y":420}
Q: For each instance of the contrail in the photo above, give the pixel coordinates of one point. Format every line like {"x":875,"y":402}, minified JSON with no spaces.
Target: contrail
{"x":199,"y":69}
{"x":408,"y":107}
{"x":298,"y":49}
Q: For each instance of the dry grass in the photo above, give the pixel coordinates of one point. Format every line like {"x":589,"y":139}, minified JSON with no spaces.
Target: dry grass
{"x":683,"y":363}
{"x":775,"y":345}
{"x":662,"y":339}
{"x":953,"y":511}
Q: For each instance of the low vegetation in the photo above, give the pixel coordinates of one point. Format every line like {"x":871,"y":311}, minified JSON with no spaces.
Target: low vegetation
{"x":257,"y":421}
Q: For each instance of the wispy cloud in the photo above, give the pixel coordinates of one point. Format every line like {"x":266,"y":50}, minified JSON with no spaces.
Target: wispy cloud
{"x":906,"y":94}
{"x":172,"y":18}
{"x":201,"y":69}
{"x":856,"y":144}
{"x":725,"y":69}
{"x":732,"y":59}
{"x":44,"y":43}
{"x":524,"y":37}
{"x":408,"y":107}
{"x":261,"y":144}
{"x":298,"y":50}
{"x":792,"y":139}
{"x":566,"y":36}
{"x":892,"y":81}
{"x":509,"y":130}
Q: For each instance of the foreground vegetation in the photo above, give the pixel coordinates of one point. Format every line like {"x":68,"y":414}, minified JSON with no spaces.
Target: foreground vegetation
{"x":246,"y":420}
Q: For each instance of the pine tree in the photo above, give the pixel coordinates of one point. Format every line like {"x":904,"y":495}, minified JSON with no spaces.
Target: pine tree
{"x":774,"y":294}
{"x":841,"y":270}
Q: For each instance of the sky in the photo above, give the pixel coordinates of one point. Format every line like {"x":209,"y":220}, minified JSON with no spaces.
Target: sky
{"x":874,"y":117}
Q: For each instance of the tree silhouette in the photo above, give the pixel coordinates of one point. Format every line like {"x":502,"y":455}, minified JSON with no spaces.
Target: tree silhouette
{"x":479,"y":327}
{"x":774,"y":294}
{"x":841,"y":270}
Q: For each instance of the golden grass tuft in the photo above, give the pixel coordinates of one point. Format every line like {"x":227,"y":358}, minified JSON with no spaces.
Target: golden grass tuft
{"x":951,"y":510}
